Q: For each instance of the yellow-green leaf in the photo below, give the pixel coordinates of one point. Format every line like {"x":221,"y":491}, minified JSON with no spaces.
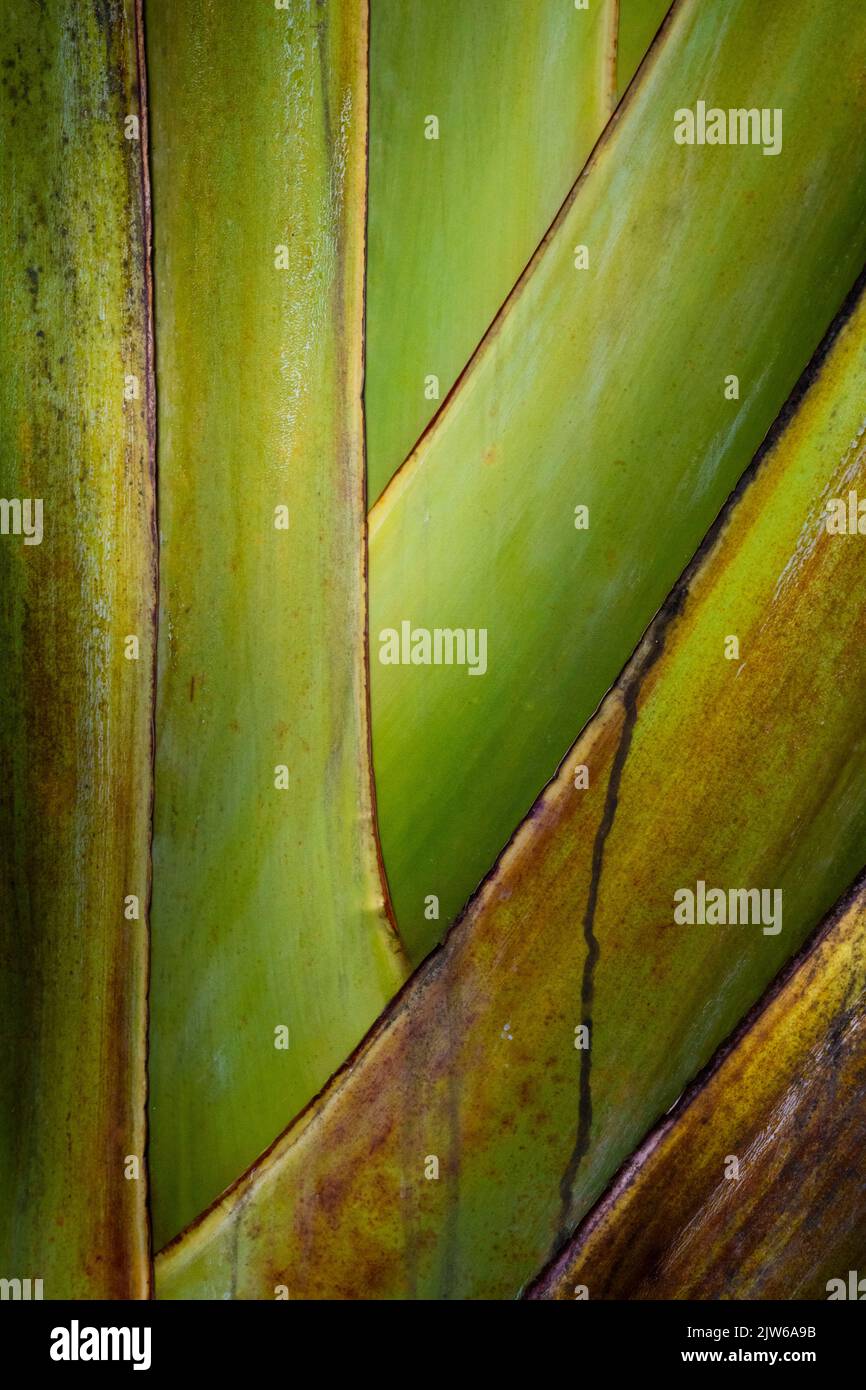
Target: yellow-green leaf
{"x":481,"y":116}
{"x":77,"y":597}
{"x":753,"y":1186}
{"x":608,"y":388}
{"x":569,"y":1008}
{"x":637,"y":25}
{"x":272,"y":950}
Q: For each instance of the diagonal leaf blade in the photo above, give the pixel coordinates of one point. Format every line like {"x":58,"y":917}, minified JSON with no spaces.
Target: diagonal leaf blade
{"x":518,"y":94}
{"x":740,"y":773}
{"x":605,"y":387}
{"x":784,"y":1101}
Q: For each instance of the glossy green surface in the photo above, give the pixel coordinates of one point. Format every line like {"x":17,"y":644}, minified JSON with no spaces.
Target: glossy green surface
{"x":605,"y":388}
{"x":521,"y":92}
{"x":268,"y":909}
{"x":744,"y":772}
{"x":75,"y":713}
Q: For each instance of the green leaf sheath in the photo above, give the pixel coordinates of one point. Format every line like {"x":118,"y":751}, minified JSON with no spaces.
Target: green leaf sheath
{"x":605,"y":388}
{"x":268,"y":908}
{"x":746,"y":773}
{"x":520,"y":92}
{"x":638,"y":23}
{"x":76,"y":698}
{"x":787,"y":1102}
